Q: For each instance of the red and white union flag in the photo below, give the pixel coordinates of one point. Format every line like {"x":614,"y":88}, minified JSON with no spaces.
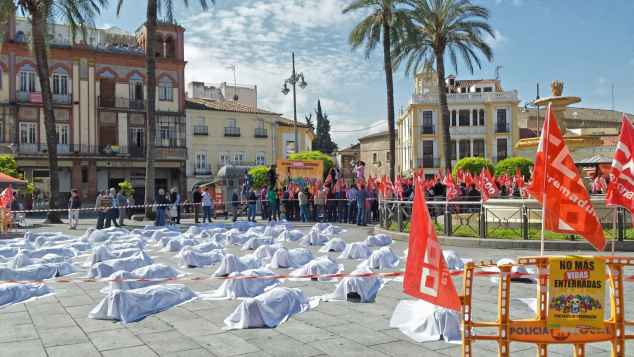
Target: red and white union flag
{"x":426,"y":273}
{"x":621,"y":187}
{"x":567,"y":207}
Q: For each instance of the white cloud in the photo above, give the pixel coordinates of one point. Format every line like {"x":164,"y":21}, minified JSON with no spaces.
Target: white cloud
{"x":514,"y":2}
{"x":496,"y":42}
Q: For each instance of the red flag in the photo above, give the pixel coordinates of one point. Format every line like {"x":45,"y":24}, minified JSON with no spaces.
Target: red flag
{"x":487,"y":185}
{"x":558,"y":187}
{"x":621,"y":187}
{"x":6,"y":197}
{"x":426,"y":274}
{"x":451,"y":188}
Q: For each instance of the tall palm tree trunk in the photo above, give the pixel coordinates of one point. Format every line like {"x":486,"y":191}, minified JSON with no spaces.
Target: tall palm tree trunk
{"x":387,"y":64}
{"x":444,"y":108}
{"x":150,"y":123}
{"x":39,"y":31}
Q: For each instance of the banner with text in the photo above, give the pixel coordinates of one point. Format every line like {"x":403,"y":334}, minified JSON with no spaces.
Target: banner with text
{"x":576,"y":292}
{"x":300,"y":169}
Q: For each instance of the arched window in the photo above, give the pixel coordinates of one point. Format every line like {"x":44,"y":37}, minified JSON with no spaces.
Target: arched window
{"x":27,"y":79}
{"x":170,"y":47}
{"x":19,"y":37}
{"x":136,"y":91}
{"x":159,"y":46}
{"x":59,"y":82}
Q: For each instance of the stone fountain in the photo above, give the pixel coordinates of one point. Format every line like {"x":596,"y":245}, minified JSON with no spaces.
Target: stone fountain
{"x":558,"y":104}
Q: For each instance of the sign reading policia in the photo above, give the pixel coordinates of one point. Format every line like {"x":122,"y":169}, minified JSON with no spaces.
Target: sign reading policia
{"x":576,"y":292}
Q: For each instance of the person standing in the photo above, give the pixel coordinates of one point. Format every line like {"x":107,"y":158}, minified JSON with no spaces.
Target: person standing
{"x":235,"y":205}
{"x":122,"y":202}
{"x":271,"y":197}
{"x":264,"y":204}
{"x":74,"y":204}
{"x":113,"y":212}
{"x":197,"y":198}
{"x":362,"y":195}
{"x":320,"y":201}
{"x":252,"y":200}
{"x":102,"y":205}
{"x":207,"y":205}
{"x":302,"y":197}
{"x":175,"y":200}
{"x":351,"y":195}
{"x":162,"y":203}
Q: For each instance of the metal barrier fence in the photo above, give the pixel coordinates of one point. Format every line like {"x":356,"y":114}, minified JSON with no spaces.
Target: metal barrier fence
{"x":497,"y":218}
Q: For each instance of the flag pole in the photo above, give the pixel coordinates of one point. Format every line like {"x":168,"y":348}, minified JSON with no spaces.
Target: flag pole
{"x":545,"y":134}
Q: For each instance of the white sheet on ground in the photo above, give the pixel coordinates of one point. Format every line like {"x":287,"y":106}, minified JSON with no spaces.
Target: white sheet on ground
{"x":37,"y":272}
{"x":191,"y":258}
{"x":314,"y":237}
{"x":378,"y":240}
{"x":106,"y":268}
{"x":255,"y":242}
{"x":102,"y":253}
{"x":382,"y":258}
{"x":266,"y":251}
{"x":13,"y":293}
{"x":319,"y":266}
{"x":290,"y":236}
{"x":424,"y":322}
{"x":242,"y":288}
{"x":133,"y":305}
{"x":453,"y":260}
{"x":270,"y":309}
{"x":293,"y":258}
{"x":230,"y":263}
{"x":352,"y":288}
{"x":153,"y":271}
{"x":356,"y":250}
{"x":333,"y":245}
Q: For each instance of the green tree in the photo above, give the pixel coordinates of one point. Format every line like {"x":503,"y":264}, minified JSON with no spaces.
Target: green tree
{"x":439,"y":27}
{"x":127,"y":188}
{"x":309,"y":121}
{"x":323,"y":142}
{"x":166,"y":8}
{"x":314,"y":155}
{"x":9,"y":166}
{"x":380,"y":25}
{"x":260,"y":177}
{"x":473,"y":165}
{"x":510,"y":164}
{"x":78,"y":14}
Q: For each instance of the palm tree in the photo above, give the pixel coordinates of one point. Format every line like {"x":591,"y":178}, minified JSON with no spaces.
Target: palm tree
{"x":381,"y":24}
{"x":78,"y":14}
{"x":153,"y":7}
{"x":438,"y":26}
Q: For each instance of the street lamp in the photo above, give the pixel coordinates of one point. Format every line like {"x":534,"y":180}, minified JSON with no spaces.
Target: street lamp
{"x":294,"y":79}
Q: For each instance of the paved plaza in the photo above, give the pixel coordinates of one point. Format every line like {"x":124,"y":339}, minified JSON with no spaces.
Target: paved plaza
{"x":58,"y":325}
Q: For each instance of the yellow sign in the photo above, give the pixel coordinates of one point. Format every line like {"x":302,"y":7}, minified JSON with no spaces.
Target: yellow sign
{"x":576,"y":292}
{"x":311,"y":169}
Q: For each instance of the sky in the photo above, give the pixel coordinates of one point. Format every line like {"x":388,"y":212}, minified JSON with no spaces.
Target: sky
{"x":588,"y":44}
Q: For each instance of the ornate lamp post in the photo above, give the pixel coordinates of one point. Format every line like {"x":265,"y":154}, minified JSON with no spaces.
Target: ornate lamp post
{"x":294,"y":79}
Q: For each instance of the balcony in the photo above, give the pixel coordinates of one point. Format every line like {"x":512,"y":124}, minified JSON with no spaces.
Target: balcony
{"x":232,"y":131}
{"x":83,"y":150}
{"x":29,"y":97}
{"x":222,"y":163}
{"x":64,"y":99}
{"x":502,"y":128}
{"x":261,"y":133}
{"x":428,"y":162}
{"x":427,"y":129}
{"x":121,"y":103}
{"x":467,"y":98}
{"x":201,"y":130}
{"x":202,"y":171}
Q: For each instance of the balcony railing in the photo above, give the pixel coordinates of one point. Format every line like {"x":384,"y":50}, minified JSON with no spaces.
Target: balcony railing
{"x":261,"y":133}
{"x":427,"y":129}
{"x":202,"y":171}
{"x":222,"y":163}
{"x":467,"y":98}
{"x":81,"y":149}
{"x":121,"y":103}
{"x":232,"y":131}
{"x":201,"y":130}
{"x":502,"y":128}
{"x":62,"y":99}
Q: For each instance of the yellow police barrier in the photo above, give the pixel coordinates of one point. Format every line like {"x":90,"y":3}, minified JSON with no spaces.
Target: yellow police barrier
{"x":540,"y":330}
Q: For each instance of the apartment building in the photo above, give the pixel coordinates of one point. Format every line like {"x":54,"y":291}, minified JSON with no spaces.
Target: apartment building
{"x":224,"y":133}
{"x":483,"y":122}
{"x":99,"y":94}
{"x":375,"y":152}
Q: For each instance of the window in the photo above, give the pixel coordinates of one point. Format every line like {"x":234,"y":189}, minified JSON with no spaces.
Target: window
{"x":231,"y":123}
{"x":169,"y":131}
{"x":27,"y":81}
{"x":84,"y":174}
{"x":60,"y":84}
{"x":481,"y":117}
{"x":453,"y":150}
{"x":137,"y":137}
{"x":428,"y":153}
{"x":488,"y":89}
{"x":136,"y":89}
{"x":478,"y":147}
{"x":166,"y":92}
{"x":239,"y":156}
{"x":260,"y":158}
{"x":62,"y":133}
{"x":388,"y":156}
{"x":27,"y":133}
{"x":223,"y":157}
{"x":465,"y":148}
{"x":501,"y":121}
{"x":463,"y":117}
{"x":453,"y":118}
{"x":428,"y":122}
{"x":260,"y":124}
{"x":502,"y":149}
{"x":474,"y":117}
{"x":375,"y":158}
{"x":478,"y":90}
{"x":201,"y":161}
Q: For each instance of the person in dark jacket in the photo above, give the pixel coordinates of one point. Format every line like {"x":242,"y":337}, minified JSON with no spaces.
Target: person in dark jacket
{"x":197,"y":198}
{"x":235,"y":205}
{"x":162,"y":203}
{"x":74,"y":204}
{"x":252,"y":204}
